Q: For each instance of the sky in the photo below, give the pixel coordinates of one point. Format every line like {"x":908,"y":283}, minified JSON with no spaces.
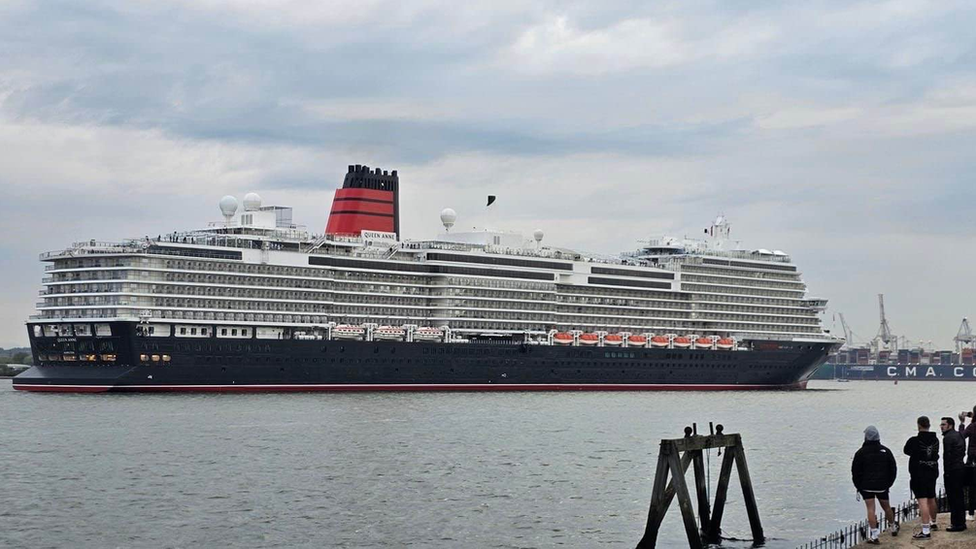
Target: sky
{"x":842,"y":132}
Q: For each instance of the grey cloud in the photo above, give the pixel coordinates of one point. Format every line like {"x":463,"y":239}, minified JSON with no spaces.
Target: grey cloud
{"x":598,"y":158}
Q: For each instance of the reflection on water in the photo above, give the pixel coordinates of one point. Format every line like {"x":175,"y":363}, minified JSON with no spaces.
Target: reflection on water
{"x":426,"y":470}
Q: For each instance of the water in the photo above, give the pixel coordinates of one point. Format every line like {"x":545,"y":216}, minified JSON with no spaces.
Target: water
{"x":504,"y":470}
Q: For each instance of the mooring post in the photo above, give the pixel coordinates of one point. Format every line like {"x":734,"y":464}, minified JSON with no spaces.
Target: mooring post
{"x":674,"y":458}
{"x":721,"y":493}
{"x":659,"y":500}
{"x":748,"y":494}
{"x":684,"y":502}
{"x":701,"y":487}
{"x":660,"y":506}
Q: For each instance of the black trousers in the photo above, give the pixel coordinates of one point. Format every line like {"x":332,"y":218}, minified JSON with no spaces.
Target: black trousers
{"x":970,"y":488}
{"x":954,"y":482}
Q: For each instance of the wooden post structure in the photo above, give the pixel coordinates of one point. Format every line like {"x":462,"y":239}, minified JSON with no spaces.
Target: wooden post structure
{"x":671,"y":462}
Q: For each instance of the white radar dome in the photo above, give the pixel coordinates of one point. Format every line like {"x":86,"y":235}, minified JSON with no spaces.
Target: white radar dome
{"x":448,"y":217}
{"x":538,"y":234}
{"x":228,"y":206}
{"x":252,"y":201}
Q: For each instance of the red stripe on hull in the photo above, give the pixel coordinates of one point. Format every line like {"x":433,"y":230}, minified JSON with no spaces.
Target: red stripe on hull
{"x":63,"y":388}
{"x":400,"y":387}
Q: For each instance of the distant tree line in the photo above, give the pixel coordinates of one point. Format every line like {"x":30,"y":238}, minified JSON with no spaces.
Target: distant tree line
{"x":17,"y":355}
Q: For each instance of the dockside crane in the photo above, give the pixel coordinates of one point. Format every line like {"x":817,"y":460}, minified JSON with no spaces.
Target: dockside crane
{"x":884,"y":337}
{"x":848,"y":334}
{"x":964,"y":337}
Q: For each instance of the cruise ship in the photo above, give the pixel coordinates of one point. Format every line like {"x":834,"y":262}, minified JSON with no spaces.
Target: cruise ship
{"x":257,"y":303}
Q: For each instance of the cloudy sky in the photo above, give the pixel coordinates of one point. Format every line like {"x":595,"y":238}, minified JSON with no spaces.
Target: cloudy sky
{"x":842,"y":132}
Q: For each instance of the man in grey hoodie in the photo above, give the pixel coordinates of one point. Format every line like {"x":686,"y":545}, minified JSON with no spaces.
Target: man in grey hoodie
{"x":873,"y":472}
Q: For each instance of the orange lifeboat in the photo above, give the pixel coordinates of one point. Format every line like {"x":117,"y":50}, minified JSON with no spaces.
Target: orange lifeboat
{"x":613,"y":339}
{"x":347,"y":331}
{"x":589,"y":339}
{"x":725,"y":343}
{"x":682,"y":342}
{"x":660,"y":341}
{"x":389,"y":332}
{"x":563,"y":338}
{"x":703,"y":342}
{"x":637,"y":341}
{"x":427,"y":333}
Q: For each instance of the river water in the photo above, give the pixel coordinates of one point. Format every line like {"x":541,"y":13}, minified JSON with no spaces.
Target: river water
{"x":492,"y":470}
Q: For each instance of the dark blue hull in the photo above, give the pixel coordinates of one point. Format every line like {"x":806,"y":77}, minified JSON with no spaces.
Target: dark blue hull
{"x":215,"y":364}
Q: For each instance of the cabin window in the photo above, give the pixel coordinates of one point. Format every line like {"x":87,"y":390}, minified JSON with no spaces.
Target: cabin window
{"x":223,"y":331}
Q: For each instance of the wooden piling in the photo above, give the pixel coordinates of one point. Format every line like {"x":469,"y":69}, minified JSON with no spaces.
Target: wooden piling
{"x":671,"y":463}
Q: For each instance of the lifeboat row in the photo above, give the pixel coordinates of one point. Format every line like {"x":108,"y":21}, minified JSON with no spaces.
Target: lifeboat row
{"x":391,"y":333}
{"x":654,"y":341}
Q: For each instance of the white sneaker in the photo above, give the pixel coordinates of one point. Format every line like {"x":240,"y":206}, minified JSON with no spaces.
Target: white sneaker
{"x":895,"y":527}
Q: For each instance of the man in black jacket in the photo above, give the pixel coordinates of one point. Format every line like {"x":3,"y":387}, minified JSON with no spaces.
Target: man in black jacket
{"x":873,"y":472}
{"x":970,"y":471}
{"x":953,"y":452}
{"x":923,"y":466}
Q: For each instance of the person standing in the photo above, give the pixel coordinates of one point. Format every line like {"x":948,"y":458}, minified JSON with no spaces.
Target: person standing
{"x":923,"y":468}
{"x":970,"y":471}
{"x":874,"y":471}
{"x":953,"y":451}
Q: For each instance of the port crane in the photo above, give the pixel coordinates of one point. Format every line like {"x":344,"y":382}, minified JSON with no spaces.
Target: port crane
{"x":848,"y":333}
{"x":884,"y":339}
{"x":964,"y":337}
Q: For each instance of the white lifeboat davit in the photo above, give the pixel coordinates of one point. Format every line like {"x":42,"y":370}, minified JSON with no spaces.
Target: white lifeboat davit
{"x":589,"y":339}
{"x":348,"y":331}
{"x":563,"y":338}
{"x":389,"y":332}
{"x":613,"y":339}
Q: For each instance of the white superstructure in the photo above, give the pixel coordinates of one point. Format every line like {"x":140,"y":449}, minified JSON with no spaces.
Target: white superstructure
{"x":256,"y":270}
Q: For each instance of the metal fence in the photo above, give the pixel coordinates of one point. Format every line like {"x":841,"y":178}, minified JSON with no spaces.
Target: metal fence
{"x":856,"y":533}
